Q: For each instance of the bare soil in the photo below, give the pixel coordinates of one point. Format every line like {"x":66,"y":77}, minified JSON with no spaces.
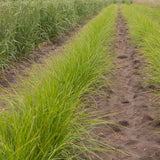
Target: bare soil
{"x":132,"y":101}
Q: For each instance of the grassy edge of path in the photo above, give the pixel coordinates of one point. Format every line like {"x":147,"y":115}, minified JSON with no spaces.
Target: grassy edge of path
{"x":46,"y":118}
{"x":26,"y":24}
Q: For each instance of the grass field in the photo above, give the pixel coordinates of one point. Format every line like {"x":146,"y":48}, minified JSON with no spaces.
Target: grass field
{"x":50,"y":122}
{"x":154,"y":3}
{"x":25,"y":24}
{"x":151,"y":12}
{"x":101,"y":91}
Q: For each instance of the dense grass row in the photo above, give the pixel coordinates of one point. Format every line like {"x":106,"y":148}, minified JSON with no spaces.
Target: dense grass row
{"x":123,"y":1}
{"x":25,"y":24}
{"x":147,"y":36}
{"x":152,"y":12}
{"x":154,"y":3}
{"x":46,"y":119}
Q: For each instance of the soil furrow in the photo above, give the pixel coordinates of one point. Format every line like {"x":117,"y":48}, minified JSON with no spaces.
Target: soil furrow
{"x":132,"y":102}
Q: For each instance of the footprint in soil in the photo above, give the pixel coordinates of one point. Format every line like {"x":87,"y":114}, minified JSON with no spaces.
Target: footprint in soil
{"x":115,"y":128}
{"x":131,"y":142}
{"x":124,"y":100}
{"x":136,"y":61}
{"x":146,"y":118}
{"x":122,"y":57}
{"x":124,"y":123}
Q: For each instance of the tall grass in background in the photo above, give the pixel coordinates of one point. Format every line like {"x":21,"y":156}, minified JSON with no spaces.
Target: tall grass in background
{"x":45,"y":118}
{"x":146,"y":34}
{"x":25,"y":24}
{"x":154,"y":3}
{"x":152,"y":12}
{"x":124,"y":1}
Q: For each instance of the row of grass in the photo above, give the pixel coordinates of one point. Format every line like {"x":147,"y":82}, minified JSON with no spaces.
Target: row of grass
{"x":146,"y":34}
{"x":153,"y":3}
{"x":45,"y":118}
{"x":152,"y":12}
{"x":25,"y":24}
{"x":123,"y":1}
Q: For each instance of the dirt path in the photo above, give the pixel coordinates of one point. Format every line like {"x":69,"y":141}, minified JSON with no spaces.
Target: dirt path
{"x":130,"y":98}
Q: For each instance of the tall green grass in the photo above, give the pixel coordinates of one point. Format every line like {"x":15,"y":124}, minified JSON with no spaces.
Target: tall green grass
{"x":45,"y":118}
{"x":121,"y":1}
{"x":25,"y":24}
{"x":145,"y":34}
{"x":152,"y":12}
{"x":154,"y":3}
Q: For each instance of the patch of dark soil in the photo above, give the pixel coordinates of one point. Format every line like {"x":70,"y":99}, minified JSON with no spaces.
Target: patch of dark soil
{"x":146,"y":118}
{"x":122,"y":57}
{"x":131,"y":142}
{"x":124,"y":123}
{"x":157,"y":124}
{"x":115,"y":128}
{"x":125,"y":101}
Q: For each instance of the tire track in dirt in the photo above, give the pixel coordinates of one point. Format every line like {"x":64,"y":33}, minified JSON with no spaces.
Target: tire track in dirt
{"x":131,"y":99}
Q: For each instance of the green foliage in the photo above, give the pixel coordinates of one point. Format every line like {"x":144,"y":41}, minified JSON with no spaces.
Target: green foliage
{"x":122,"y":1}
{"x":25,"y":24}
{"x":152,"y":12}
{"x":146,"y":34}
{"x":45,"y":118}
